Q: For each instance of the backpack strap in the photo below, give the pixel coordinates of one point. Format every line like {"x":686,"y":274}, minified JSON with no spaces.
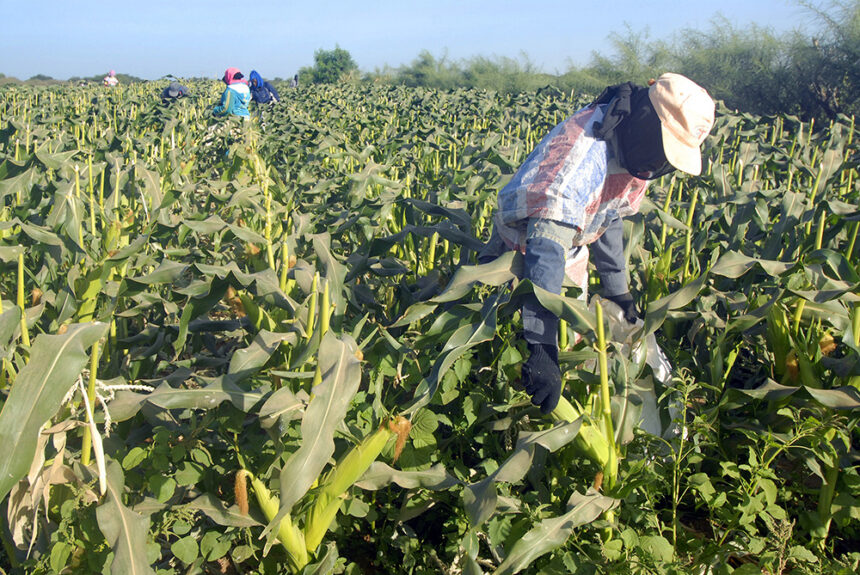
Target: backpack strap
{"x":618,"y":97}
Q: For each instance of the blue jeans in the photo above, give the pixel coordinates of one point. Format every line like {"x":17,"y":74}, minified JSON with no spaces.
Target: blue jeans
{"x":544,"y":265}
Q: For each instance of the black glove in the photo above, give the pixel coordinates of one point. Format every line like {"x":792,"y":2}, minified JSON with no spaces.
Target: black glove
{"x":625,"y":302}
{"x":542,"y":376}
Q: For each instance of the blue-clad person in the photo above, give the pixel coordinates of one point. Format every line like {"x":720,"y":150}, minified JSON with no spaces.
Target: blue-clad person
{"x":262,"y":92}
{"x":236,"y":97}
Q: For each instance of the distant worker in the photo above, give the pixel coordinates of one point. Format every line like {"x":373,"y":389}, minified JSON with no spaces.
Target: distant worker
{"x":261,"y":91}
{"x":236,"y":97}
{"x":173,"y":92}
{"x":294,"y":82}
{"x":111,"y":80}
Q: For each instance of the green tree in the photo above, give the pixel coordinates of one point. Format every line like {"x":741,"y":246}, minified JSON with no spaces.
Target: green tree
{"x":827,"y":66}
{"x":427,"y":70}
{"x":748,"y":69}
{"x":635,"y":58}
{"x":330,"y":66}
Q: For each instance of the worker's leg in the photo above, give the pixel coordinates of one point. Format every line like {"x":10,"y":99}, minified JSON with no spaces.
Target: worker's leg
{"x":544,"y":266}
{"x":546,"y":246}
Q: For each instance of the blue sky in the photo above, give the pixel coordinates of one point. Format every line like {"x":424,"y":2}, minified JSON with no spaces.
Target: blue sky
{"x":189,"y":38}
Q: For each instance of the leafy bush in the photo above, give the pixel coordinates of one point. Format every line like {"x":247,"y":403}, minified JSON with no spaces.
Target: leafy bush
{"x":330,"y":66}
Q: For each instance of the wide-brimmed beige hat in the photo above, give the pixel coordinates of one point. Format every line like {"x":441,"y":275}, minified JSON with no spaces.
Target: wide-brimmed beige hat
{"x":686,"y":115}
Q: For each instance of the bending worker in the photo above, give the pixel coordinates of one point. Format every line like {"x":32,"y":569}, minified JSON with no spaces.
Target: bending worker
{"x":572,"y":191}
{"x":236,"y":96}
{"x":262,"y":91}
{"x":173,"y":92}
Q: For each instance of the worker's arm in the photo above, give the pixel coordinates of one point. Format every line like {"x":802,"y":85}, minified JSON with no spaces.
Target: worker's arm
{"x":221,"y":109}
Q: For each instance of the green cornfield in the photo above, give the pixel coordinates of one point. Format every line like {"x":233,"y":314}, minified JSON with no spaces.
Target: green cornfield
{"x":266,"y":347}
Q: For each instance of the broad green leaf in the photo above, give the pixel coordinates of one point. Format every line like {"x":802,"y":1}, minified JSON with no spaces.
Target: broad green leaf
{"x":213,"y":546}
{"x":341,"y":375}
{"x":221,"y":389}
{"x":480,"y":498}
{"x":248,"y":361}
{"x":551,"y":534}
{"x":125,"y":531}
{"x":185,"y":549}
{"x":10,"y":321}
{"x":326,"y":564}
{"x":658,"y":547}
{"x":55,"y":364}
{"x":9,"y":254}
{"x":735,"y":264}
{"x":380,"y":475}
{"x":494,"y":273}
{"x":60,"y":553}
{"x":461,"y":341}
{"x":215,"y":510}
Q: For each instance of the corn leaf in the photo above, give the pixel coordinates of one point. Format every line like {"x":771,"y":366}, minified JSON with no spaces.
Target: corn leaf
{"x":551,"y":534}
{"x":215,"y":510}
{"x":55,"y":364}
{"x":125,"y":530}
{"x":735,"y":264}
{"x":220,"y":390}
{"x":18,"y":185}
{"x":341,"y":375}
{"x":481,"y":498}
{"x":658,"y":309}
{"x":380,"y":475}
{"x":248,"y":361}
{"x":497,"y":272}
{"x":10,"y":320}
{"x":846,"y":397}
{"x":461,"y":341}
{"x":572,"y":310}
{"x":325,"y":565}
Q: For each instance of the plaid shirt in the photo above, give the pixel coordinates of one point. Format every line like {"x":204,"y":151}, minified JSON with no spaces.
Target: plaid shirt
{"x":573,"y":178}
